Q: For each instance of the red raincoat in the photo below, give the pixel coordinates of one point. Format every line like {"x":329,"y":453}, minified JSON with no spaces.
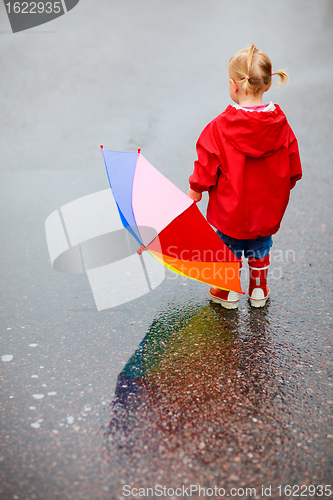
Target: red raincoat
{"x":249,"y":162}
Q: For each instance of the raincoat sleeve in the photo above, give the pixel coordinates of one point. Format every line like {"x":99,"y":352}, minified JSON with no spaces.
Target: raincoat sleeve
{"x":294,"y":160}
{"x":206,"y":167}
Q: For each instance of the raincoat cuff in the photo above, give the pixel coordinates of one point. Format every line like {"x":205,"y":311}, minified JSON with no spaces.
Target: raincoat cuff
{"x":198,"y":189}
{"x":293,"y":180}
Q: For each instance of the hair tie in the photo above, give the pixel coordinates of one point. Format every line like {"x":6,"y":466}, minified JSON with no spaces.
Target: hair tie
{"x":247,"y":77}
{"x":272,"y":74}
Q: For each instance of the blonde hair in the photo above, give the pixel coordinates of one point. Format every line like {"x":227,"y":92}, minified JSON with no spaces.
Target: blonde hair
{"x":254,"y":68}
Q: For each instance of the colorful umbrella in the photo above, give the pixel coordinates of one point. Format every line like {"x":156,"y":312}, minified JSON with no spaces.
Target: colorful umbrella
{"x":167,"y":223}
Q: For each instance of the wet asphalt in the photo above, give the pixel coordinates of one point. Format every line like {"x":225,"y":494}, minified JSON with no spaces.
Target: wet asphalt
{"x":169,"y":389}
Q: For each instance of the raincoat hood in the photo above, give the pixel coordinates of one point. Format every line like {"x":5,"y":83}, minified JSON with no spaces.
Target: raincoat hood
{"x":253,"y":133}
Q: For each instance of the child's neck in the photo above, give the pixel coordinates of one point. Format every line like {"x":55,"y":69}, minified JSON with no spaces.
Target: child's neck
{"x":250,"y":101}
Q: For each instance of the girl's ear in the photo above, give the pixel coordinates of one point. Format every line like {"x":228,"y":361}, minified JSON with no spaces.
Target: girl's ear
{"x":234,"y":85}
{"x":269,"y":86}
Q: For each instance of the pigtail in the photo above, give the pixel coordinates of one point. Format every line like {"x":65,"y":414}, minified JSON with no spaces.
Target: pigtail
{"x":246,"y":79}
{"x":284,"y":78}
{"x":253,"y":68}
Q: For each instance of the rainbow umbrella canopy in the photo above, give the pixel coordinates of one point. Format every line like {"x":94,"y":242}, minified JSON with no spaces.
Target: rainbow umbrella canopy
{"x":167,"y":223}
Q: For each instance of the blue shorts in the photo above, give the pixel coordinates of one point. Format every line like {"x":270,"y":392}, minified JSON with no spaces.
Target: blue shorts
{"x":257,"y":249}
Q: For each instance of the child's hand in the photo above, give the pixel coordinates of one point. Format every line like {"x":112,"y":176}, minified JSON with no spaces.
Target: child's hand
{"x":194,"y":195}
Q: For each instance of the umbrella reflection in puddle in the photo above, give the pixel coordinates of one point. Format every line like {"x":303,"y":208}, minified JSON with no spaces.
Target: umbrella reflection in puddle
{"x":199,"y":389}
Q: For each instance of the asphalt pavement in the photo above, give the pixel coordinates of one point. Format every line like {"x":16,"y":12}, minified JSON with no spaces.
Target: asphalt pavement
{"x":168,"y":390}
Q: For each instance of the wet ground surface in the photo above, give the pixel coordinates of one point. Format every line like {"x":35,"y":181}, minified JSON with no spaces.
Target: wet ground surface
{"x":169,"y":389}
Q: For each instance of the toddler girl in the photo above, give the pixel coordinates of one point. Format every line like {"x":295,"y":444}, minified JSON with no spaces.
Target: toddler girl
{"x":248,"y":161}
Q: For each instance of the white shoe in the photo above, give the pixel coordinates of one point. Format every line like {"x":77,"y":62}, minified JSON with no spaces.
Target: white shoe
{"x":228,"y":300}
{"x":258,"y":298}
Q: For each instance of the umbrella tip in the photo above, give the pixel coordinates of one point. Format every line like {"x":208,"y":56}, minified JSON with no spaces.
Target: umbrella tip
{"x":101,"y":146}
{"x":139,"y":150}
